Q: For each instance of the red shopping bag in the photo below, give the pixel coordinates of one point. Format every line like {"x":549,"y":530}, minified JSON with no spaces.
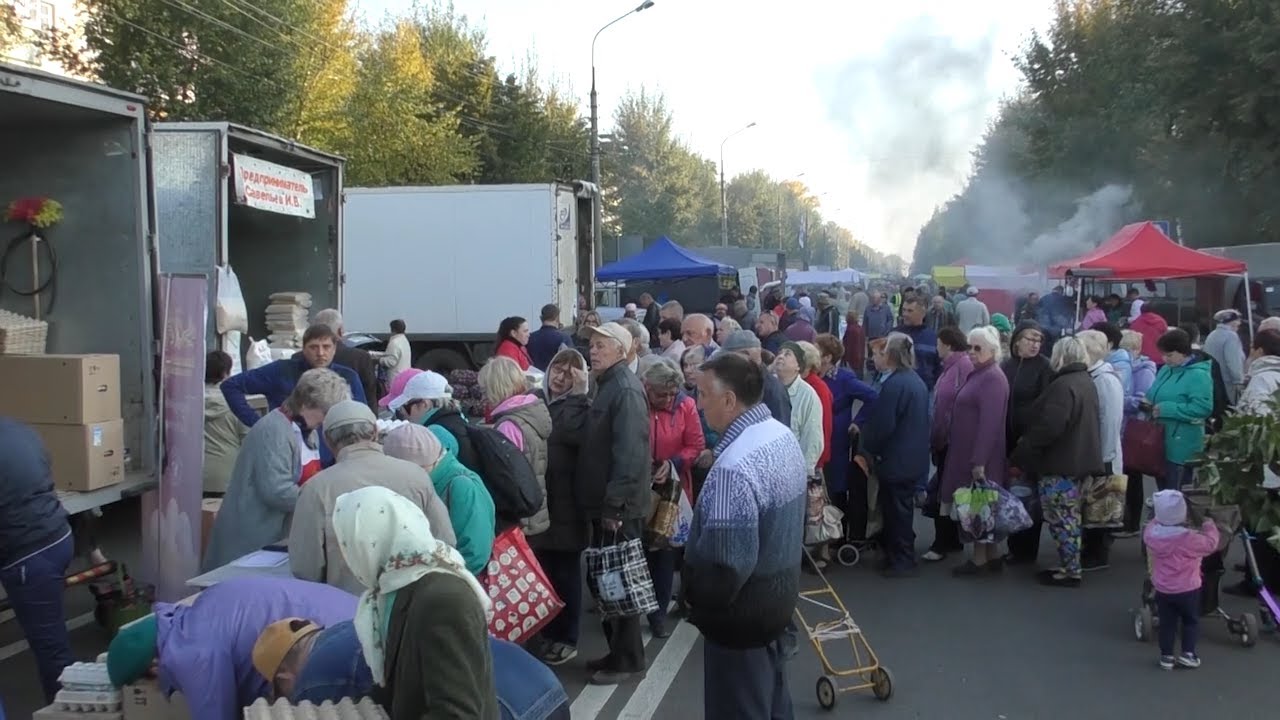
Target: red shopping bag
{"x":1143,"y":445}
{"x":523,"y":599}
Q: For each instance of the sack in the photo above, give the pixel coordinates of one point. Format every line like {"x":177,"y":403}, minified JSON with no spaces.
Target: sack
{"x":230,"y":313}
{"x":524,"y":600}
{"x":506,"y":474}
{"x":823,"y":521}
{"x":618,"y":579}
{"x":974,"y":510}
{"x":1103,"y":501}
{"x":1011,"y":514}
{"x":259,"y":354}
{"x":1143,"y":446}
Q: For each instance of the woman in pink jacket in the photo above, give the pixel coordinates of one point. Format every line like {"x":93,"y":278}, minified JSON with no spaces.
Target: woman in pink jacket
{"x":675,"y":441}
{"x":1175,"y":551}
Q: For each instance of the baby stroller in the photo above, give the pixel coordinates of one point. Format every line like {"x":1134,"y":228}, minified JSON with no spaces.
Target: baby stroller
{"x":1245,"y":626}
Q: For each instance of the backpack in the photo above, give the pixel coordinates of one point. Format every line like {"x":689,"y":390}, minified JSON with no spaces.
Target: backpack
{"x":506,"y":474}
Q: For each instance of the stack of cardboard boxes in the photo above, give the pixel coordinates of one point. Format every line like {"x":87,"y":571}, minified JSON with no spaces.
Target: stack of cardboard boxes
{"x":73,"y":403}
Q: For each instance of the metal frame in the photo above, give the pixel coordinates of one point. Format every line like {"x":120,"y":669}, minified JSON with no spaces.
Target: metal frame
{"x":1104,"y":275}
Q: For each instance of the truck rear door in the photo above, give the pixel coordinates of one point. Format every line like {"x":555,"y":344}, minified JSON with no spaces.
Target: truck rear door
{"x":566,"y":251}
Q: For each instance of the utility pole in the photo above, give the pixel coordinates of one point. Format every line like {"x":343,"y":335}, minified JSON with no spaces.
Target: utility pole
{"x":724,"y":208}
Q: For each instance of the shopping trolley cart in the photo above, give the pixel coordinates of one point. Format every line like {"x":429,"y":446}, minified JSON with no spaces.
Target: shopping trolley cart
{"x":836,"y":625}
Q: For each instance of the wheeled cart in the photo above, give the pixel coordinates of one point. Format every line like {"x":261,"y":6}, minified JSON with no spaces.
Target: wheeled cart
{"x":836,"y":624}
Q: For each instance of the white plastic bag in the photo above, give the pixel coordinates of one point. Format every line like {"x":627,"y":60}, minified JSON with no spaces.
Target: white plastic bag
{"x":231,"y":346}
{"x":684,"y":521}
{"x":230,"y":311}
{"x":259,"y":354}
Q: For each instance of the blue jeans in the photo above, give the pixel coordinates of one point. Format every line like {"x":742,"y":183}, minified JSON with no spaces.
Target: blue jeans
{"x":745,"y":684}
{"x":662,"y":569}
{"x":34,"y":585}
{"x":1175,"y":476}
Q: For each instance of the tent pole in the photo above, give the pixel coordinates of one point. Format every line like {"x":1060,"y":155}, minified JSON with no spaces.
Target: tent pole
{"x":1248,"y":305}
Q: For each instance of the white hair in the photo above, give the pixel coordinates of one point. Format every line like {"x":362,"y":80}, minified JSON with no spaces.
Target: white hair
{"x":350,"y":435}
{"x":500,"y":379}
{"x":899,"y":350}
{"x":812,"y":357}
{"x":988,"y":337}
{"x":1068,"y":351}
{"x":662,"y":372}
{"x":1096,"y":344}
{"x":329,"y":318}
{"x":1131,"y":340}
{"x":317,"y":389}
{"x":1271,"y":323}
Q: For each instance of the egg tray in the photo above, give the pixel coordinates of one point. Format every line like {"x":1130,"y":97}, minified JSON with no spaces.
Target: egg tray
{"x":345,"y":709}
{"x":88,"y":701}
{"x":85,"y":676}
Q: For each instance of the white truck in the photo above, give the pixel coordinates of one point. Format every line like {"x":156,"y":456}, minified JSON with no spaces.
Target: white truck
{"x":453,"y":261}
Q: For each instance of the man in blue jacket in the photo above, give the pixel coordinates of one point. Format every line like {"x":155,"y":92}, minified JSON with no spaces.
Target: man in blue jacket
{"x":276,"y":380}
{"x":897,"y":436}
{"x":924,"y":339}
{"x":35,"y":549}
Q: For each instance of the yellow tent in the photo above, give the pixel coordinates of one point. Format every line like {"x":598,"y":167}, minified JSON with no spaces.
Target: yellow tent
{"x":949,"y":276}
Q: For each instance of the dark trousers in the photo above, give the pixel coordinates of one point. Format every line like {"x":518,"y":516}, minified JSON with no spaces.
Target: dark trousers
{"x":1172,"y":609}
{"x":626,"y":646}
{"x":564,"y":570}
{"x":662,"y":569}
{"x":34,"y":586}
{"x":946,"y":535}
{"x":1175,"y":477}
{"x":745,"y":684}
{"x":1134,"y":497}
{"x":1095,"y":545}
{"x":853,"y":503}
{"x":898,"y":506}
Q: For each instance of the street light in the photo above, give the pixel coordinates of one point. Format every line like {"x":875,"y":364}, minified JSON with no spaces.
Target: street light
{"x":597,"y":211}
{"x":724,"y":210}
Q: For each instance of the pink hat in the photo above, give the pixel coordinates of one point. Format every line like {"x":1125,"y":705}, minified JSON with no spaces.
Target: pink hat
{"x":397,"y":386}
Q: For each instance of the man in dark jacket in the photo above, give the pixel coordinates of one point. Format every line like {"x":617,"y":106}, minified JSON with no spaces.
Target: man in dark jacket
{"x":923,"y":338}
{"x":547,"y":340}
{"x":1062,"y":445}
{"x":651,"y":318}
{"x":35,"y":549}
{"x":352,"y":357}
{"x":828,"y":320}
{"x":276,"y":380}
{"x":897,"y":436}
{"x":771,"y":338}
{"x":616,"y":454}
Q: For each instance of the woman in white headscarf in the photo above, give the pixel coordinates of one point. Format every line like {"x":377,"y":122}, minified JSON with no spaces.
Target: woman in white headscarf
{"x":423,"y":619}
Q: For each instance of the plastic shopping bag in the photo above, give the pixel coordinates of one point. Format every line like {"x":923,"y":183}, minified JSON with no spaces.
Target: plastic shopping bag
{"x":618,"y":578}
{"x":684,"y":521}
{"x":259,"y":354}
{"x":524,"y":600}
{"x":974,"y":510}
{"x":1011,"y":514}
{"x":229,"y":311}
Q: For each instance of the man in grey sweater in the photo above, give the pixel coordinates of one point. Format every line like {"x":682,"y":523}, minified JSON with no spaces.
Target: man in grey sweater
{"x":972,"y":312}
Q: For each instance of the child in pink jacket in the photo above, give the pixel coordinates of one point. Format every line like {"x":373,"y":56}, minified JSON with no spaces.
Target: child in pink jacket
{"x":1175,"y":551}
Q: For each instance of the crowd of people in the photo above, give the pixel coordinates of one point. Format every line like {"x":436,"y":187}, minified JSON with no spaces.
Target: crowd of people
{"x":751,"y":420}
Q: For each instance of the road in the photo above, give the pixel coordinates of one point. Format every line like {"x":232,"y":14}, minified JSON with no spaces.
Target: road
{"x":997,"y":647}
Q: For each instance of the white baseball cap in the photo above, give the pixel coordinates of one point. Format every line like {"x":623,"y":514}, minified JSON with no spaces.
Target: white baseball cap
{"x":617,"y":332}
{"x":423,"y":386}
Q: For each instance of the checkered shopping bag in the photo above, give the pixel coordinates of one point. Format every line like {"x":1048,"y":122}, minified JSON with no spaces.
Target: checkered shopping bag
{"x":524,"y":600}
{"x":618,"y":578}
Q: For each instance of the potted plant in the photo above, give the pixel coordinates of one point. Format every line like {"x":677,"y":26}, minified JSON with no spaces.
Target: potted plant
{"x":1234,"y":464}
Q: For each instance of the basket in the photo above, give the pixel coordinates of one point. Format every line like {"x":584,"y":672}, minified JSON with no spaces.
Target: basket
{"x":21,"y":335}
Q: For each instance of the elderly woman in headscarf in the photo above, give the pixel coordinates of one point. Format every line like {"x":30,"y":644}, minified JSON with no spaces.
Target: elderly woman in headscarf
{"x":423,"y":620}
{"x":470,"y":506}
{"x":975,"y":440}
{"x":897,"y":436}
{"x":1223,"y":345}
{"x":675,"y":442}
{"x":558,"y":549}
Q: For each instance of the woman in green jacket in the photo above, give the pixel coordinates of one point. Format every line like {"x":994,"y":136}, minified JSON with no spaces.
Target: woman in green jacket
{"x":1181,"y":400}
{"x":463,"y":492}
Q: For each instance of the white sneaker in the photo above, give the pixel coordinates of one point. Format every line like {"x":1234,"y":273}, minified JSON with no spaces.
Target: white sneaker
{"x":1166,"y":662}
{"x":1189,"y":660}
{"x":933,"y":556}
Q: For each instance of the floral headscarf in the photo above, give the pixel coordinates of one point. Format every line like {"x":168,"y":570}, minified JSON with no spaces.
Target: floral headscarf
{"x":387,"y":543}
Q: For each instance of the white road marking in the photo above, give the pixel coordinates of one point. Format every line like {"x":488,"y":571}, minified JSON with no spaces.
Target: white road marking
{"x":592,"y":699}
{"x":644,"y":702}
{"x":21,"y":646}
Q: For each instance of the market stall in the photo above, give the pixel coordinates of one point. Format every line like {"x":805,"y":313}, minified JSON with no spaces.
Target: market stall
{"x":668,"y":271}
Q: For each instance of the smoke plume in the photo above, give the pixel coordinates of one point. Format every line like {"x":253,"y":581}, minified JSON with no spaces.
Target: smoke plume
{"x":1098,"y":215}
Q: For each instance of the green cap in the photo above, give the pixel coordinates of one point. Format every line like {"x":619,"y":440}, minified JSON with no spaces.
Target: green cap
{"x":1001,"y":323}
{"x":132,"y":650}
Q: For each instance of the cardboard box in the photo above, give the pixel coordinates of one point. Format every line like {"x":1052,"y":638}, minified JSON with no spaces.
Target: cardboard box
{"x":144,"y":701}
{"x":85,"y":457}
{"x":60,"y":389}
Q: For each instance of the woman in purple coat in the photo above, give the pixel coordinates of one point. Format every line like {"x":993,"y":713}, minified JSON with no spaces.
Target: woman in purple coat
{"x":975,"y":445}
{"x":953,"y":350}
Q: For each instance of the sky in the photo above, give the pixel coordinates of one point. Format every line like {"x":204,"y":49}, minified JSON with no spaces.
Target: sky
{"x":878,"y":104}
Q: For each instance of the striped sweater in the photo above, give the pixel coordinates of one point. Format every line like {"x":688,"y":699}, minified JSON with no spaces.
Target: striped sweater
{"x":742,"y":559}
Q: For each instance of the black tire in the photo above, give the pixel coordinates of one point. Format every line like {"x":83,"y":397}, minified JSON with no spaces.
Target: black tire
{"x":442,"y":360}
{"x":848,"y":555}
{"x":882,"y":683}
{"x":1143,"y":624}
{"x":826,"y":691}
{"x":1249,"y":636}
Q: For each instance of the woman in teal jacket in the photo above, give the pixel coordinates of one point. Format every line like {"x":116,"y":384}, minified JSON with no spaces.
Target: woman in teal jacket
{"x":470,"y":507}
{"x":1181,"y":400}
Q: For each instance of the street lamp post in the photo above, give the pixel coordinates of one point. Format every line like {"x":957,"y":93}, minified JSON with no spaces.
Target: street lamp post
{"x":724,"y":208}
{"x":597,"y":205}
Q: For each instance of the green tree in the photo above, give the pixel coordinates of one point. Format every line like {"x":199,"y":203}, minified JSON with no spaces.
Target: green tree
{"x":397,"y":141}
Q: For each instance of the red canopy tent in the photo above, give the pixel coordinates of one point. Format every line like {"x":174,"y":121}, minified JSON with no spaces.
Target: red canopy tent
{"x":1142,"y":252}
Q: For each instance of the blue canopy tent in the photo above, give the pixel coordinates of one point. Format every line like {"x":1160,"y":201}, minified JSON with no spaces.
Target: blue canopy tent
{"x":663,"y":260}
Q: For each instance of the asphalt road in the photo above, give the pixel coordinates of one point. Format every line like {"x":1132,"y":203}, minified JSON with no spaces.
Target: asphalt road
{"x":997,"y":647}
